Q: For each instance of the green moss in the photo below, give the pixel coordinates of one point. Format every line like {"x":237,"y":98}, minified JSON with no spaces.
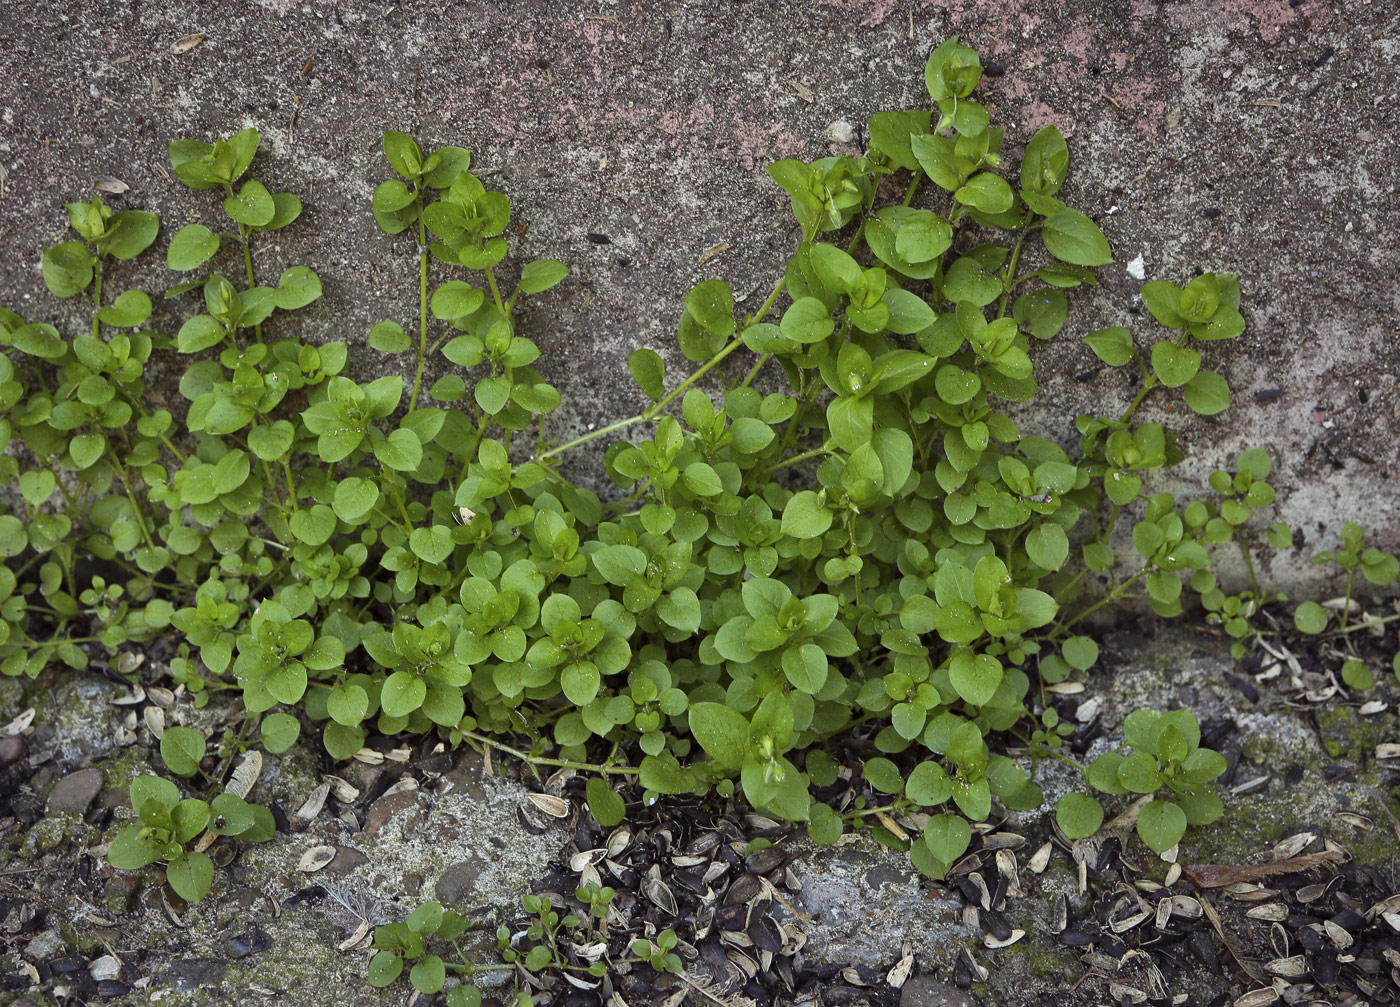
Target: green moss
{"x":1348,"y":735}
{"x":123,"y":766}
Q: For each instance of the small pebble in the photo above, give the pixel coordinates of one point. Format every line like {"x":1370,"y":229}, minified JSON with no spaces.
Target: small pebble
{"x":12,"y":749}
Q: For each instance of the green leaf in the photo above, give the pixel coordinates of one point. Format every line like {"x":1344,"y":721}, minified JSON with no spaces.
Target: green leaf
{"x":429,"y":975}
{"x":883,"y":775}
{"x":280,"y":732}
{"x":619,"y":564}
{"x":721,"y":731}
{"x":389,"y":337}
{"x":191,"y":247}
{"x":991,"y":194}
{"x":354,"y":498}
{"x":805,"y":516}
{"x":253,"y":206}
{"x":1310,"y":617}
{"x":649,"y":371}
{"x":1207,"y":394}
{"x":1164,"y":301}
{"x":1072,"y":237}
{"x":928,"y":785}
{"x":607,"y":808}
{"x":199,"y":333}
{"x":540,"y":275}
{"x":270,"y":443}
{"x":824,"y":826}
{"x":711,"y":304}
{"x":664,"y":774}
{"x":190,"y":874}
{"x":297,"y":288}
{"x":947,"y":838}
{"x":1114,"y":346}
{"x":1080,"y":652}
{"x":67,"y":268}
{"x":404,"y":154}
{"x":1048,"y":546}
{"x":390,"y":196}
{"x":702,"y":480}
{"x":1161,"y":824}
{"x":1138,"y":773}
{"x":130,"y":233}
{"x":975,"y":676}
{"x":131,"y":308}
{"x":455,"y":299}
{"x":384,"y":968}
{"x":1046,"y":162}
{"x":807,"y":320}
{"x":1042,"y":312}
{"x":182,"y":749}
{"x":401,"y":451}
{"x":923,"y":236}
{"x":403,"y":692}
{"x":313,"y":525}
{"x":432,"y":545}
{"x":1078,"y":815}
{"x":85,"y":449}
{"x":1174,"y":365}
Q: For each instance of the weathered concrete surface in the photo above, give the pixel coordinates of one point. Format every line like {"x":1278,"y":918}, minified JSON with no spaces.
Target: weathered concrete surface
{"x":1246,"y":135}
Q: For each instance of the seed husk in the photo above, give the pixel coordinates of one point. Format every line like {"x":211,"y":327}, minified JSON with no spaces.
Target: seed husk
{"x":313,"y":804}
{"x":1291,"y":967}
{"x":554,"y":807}
{"x":1040,"y":859}
{"x":1258,"y":998}
{"x":1273,"y":911}
{"x":995,"y":942}
{"x":1290,"y":847}
{"x":897,"y":976}
{"x":316,"y":858}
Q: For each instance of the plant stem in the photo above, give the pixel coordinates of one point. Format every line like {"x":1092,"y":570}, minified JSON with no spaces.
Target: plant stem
{"x":1369,"y":624}
{"x":96,"y":297}
{"x":422,"y":298}
{"x":536,"y":760}
{"x":1147,"y":387}
{"x":1010,"y":270}
{"x":815,"y":452}
{"x":247,"y":235}
{"x":1112,"y":596}
{"x":1249,"y":565}
{"x":651,"y":412}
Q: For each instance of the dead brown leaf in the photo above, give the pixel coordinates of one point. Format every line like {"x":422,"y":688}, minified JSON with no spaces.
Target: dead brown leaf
{"x":1220,"y":875}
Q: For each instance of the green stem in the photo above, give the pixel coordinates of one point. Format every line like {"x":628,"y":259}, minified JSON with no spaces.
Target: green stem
{"x":1249,"y":565}
{"x":1112,"y":596}
{"x":652,"y":412}
{"x":536,"y":760}
{"x":913,"y":186}
{"x":815,"y":452}
{"x":1369,"y":624}
{"x":1346,"y":608}
{"x":1010,"y":270}
{"x":422,"y":298}
{"x":753,"y":372}
{"x":1147,"y":387}
{"x":96,"y":297}
{"x":246,"y":234}
{"x":495,"y":293}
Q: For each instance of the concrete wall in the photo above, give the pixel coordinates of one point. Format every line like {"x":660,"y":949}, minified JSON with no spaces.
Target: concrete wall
{"x":1254,"y":136}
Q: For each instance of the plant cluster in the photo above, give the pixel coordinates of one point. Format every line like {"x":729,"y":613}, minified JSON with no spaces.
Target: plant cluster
{"x":168,"y":825}
{"x":848,"y":540}
{"x":572,"y":945}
